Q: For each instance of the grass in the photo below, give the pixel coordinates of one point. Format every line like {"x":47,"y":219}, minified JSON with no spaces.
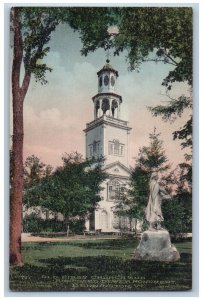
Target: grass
{"x":97,"y":265}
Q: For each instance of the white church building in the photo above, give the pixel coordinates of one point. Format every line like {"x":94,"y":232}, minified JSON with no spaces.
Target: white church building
{"x":108,"y":135}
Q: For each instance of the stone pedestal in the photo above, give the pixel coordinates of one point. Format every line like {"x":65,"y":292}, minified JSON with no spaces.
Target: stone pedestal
{"x":156,"y":246}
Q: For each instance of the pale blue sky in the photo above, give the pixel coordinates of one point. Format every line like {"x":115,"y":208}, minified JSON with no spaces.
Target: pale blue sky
{"x":56,"y":114}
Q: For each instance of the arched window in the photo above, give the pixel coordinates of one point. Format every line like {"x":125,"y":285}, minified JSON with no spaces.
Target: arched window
{"x":105,"y":105}
{"x":116,"y":148}
{"x":114,"y":107}
{"x":97,"y":105}
{"x":113,"y":190}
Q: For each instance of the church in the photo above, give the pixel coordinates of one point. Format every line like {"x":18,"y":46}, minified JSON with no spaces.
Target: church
{"x":108,"y":136}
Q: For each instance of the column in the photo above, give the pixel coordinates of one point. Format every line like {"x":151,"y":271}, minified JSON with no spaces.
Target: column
{"x":95,"y":110}
{"x":110,"y":114}
{"x":100,"y":108}
{"x":118,"y":110}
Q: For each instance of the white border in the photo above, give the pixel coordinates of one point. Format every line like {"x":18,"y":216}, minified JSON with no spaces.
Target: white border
{"x":4,"y":156}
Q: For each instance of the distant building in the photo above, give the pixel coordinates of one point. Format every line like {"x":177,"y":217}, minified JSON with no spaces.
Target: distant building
{"x":108,"y":135}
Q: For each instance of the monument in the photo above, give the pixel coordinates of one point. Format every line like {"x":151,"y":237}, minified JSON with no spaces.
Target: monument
{"x":155,"y":244}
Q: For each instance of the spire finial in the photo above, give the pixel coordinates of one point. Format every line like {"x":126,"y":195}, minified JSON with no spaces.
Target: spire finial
{"x":108,"y":56}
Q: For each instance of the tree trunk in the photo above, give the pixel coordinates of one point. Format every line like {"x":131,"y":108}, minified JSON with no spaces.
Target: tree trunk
{"x":18,"y":95}
{"x":17,"y":184}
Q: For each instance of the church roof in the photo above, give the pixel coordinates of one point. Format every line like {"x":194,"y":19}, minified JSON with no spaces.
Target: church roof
{"x":117,"y":163}
{"x":107,"y":67}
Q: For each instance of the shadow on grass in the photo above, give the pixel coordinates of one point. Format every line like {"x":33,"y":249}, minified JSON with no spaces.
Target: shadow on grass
{"x":119,"y":244}
{"x":102,"y":273}
{"x":37,"y":246}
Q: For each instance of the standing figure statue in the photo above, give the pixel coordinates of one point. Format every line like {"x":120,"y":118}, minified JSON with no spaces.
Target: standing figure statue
{"x":153,"y":211}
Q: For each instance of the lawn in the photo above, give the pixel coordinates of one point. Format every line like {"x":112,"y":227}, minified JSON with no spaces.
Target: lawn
{"x":97,"y":265}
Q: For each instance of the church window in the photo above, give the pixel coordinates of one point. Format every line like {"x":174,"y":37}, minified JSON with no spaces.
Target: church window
{"x":112,"y":80}
{"x":113,"y":190}
{"x":116,"y":148}
{"x":110,"y":148}
{"x":94,"y":149}
{"x":100,"y":81}
{"x":111,"y":193}
{"x":91,"y":150}
{"x":106,"y":80}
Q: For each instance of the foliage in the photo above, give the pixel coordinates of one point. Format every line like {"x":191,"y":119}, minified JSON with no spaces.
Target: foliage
{"x":168,"y":30}
{"x":178,"y":212}
{"x":145,"y":31}
{"x":174,"y":217}
{"x":152,"y":158}
{"x":174,"y":109}
{"x":72,"y":189}
{"x":139,"y":191}
{"x":38,"y":23}
{"x":35,"y":224}
{"x":34,"y":172}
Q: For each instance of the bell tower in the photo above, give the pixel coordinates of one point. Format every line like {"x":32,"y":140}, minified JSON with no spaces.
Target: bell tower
{"x":107,"y":135}
{"x":107,"y":101}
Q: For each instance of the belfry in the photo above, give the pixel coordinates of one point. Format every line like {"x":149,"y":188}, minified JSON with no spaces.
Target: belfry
{"x":108,"y":135}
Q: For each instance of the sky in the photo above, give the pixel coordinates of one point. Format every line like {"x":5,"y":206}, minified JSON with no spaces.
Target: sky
{"x":55,"y":114}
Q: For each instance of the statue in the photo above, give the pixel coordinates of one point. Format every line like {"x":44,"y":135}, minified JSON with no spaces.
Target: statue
{"x":155,"y":243}
{"x":153,"y":211}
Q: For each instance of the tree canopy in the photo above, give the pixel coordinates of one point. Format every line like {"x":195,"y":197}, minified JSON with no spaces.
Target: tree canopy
{"x":73,"y":189}
{"x":160,"y":34}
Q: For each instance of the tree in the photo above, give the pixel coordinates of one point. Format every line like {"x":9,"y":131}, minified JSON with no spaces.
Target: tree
{"x":73,"y":189}
{"x":32,"y":28}
{"x":34,"y":172}
{"x":150,"y":159}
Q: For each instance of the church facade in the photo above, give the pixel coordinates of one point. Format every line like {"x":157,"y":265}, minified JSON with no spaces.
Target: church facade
{"x":108,"y":135}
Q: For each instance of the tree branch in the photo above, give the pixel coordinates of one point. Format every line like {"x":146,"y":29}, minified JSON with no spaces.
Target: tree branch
{"x":158,"y":60}
{"x":25,"y":84}
{"x":174,"y":62}
{"x":43,"y":40}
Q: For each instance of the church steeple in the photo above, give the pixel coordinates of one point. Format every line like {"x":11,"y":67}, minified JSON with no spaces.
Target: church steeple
{"x":108,"y":136}
{"x":107,"y":101}
{"x":107,"y":78}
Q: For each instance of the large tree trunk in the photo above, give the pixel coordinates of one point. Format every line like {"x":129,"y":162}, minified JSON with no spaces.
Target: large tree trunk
{"x":17,"y":184}
{"x":18,"y":94}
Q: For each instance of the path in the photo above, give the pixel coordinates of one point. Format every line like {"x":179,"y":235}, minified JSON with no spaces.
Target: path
{"x":27,"y":237}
